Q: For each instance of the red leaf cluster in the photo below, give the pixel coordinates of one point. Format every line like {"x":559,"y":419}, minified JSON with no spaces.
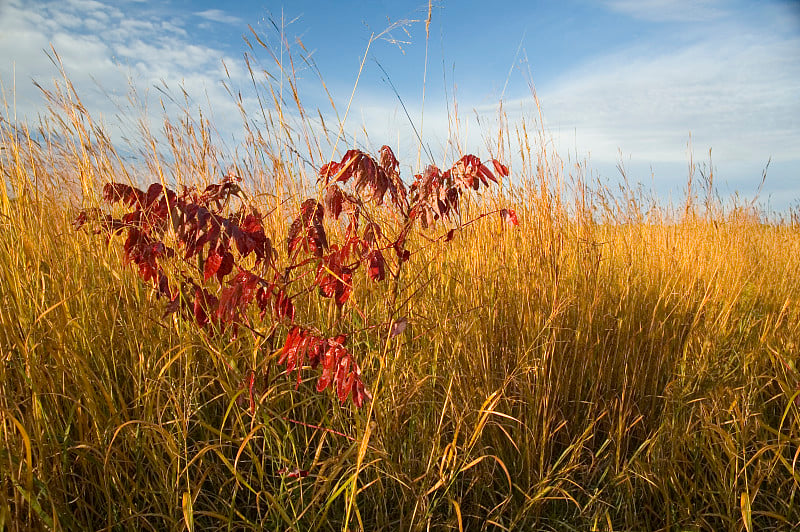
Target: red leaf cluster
{"x":196,"y":221}
{"x":378,"y":177}
{"x":306,"y":231}
{"x":229,"y":309}
{"x":144,"y":251}
{"x":339,"y":370}
{"x":197,"y":227}
{"x":435,"y":194}
{"x":275,"y":299}
{"x":334,"y":277}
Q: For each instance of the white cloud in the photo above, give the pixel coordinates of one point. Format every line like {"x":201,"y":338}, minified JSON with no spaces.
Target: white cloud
{"x":739,"y":94}
{"x":108,"y":53}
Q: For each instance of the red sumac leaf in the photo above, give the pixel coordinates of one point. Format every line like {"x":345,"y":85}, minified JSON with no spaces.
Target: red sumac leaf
{"x":292,"y":339}
{"x":372,"y":232}
{"x":213,"y":262}
{"x":388,"y":161}
{"x":334,"y":200}
{"x":163,"y":285}
{"x":329,"y":170}
{"x":509,"y":216}
{"x":113,"y":192}
{"x":328,"y":365}
{"x":376,"y":265}
{"x":173,"y":306}
{"x":236,"y":297}
{"x":343,"y":377}
{"x":500,"y":168}
{"x":359,"y":391}
{"x":485,"y":174}
{"x":226,"y":266}
{"x":282,"y":306}
{"x":152,"y":195}
{"x":449,"y":235}
{"x":83,"y":217}
{"x":452,"y":196}
{"x":344,"y":289}
{"x":307,"y":229}
{"x":293,"y":473}
{"x":205,"y":305}
{"x":252,"y":223}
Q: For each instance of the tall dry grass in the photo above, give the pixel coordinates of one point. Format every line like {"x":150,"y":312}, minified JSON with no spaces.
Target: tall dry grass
{"x":612,"y":364}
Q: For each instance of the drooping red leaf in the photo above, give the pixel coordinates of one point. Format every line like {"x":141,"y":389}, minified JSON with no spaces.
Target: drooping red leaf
{"x":163,"y":286}
{"x":345,"y":289}
{"x":294,"y":336}
{"x":328,"y":362}
{"x":360,"y":392}
{"x":388,"y":161}
{"x":307,"y":229}
{"x":500,"y":168}
{"x":372,"y":233}
{"x":226,"y":266}
{"x":252,"y":223}
{"x":236,"y":297}
{"x":376,"y":269}
{"x":282,"y":306}
{"x":213,"y":262}
{"x":343,"y":377}
{"x":114,"y":192}
{"x":152,"y":195}
{"x":204,"y":306}
{"x":333,"y":200}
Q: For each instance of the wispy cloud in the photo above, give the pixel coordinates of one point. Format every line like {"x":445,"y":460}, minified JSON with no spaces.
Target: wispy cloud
{"x":740,"y":94}
{"x":670,"y":10}
{"x":217,"y":15}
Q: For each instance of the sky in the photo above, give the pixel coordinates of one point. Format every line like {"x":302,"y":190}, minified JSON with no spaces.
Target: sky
{"x":639,"y":83}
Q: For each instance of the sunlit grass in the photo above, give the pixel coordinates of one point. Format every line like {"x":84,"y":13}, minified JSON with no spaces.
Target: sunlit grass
{"x":606,"y":365}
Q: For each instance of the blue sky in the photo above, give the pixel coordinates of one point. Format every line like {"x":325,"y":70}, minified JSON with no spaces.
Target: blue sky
{"x":618,"y":80}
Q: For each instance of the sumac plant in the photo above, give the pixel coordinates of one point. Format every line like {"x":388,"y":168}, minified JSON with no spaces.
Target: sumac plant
{"x":212,"y":264}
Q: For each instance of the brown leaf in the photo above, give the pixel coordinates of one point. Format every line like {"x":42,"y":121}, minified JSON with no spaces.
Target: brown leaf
{"x":372,"y":233}
{"x":398,"y":327}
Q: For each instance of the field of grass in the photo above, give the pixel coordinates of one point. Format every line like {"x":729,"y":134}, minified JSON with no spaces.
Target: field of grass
{"x":609,"y":364}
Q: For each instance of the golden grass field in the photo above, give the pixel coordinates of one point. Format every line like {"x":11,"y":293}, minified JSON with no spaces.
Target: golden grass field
{"x":611,"y":364}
